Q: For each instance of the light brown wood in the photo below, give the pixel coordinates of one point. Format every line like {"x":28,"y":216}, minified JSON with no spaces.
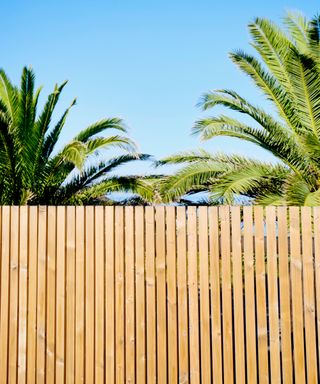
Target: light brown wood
{"x":89,"y":296}
{"x":4,"y":292}
{"x":285,"y":310}
{"x":161,"y":295}
{"x":193,"y":296}
{"x":238,"y":289}
{"x":204,"y":294}
{"x":23,"y":294}
{"x":215,"y":284}
{"x":182,"y":285}
{"x":151,"y":296}
{"x":273,"y":294}
{"x":70,"y":293}
{"x":130,"y":294}
{"x":51,"y":295}
{"x":99,"y":295}
{"x":309,"y":299}
{"x":296,"y":294}
{"x":32,"y":294}
{"x":79,"y":297}
{"x":261,"y":298}
{"x":172,"y":294}
{"x":110,"y":295}
{"x":119,"y":295}
{"x":144,"y":294}
{"x":41,"y":297}
{"x":140,"y":296}
{"x":224,"y":214}
{"x":249,"y":295}
{"x":60,"y":290}
{"x":316,"y":214}
{"x":14,"y":294}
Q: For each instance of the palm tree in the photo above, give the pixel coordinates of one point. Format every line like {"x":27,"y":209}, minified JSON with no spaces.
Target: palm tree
{"x":221,"y":176}
{"x":287,"y":71}
{"x":34,"y":171}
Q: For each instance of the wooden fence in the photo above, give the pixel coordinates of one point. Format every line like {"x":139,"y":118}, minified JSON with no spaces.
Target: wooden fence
{"x":159,"y":295}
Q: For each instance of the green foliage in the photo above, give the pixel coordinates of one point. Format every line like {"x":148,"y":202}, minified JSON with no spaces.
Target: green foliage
{"x":286,"y":70}
{"x":33,"y":171}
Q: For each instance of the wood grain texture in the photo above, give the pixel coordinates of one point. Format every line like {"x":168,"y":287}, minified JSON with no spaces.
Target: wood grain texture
{"x":182,"y":285}
{"x":285,"y":300}
{"x":237,"y":268}
{"x":162,"y":368}
{"x":215,"y":284}
{"x":296,"y":294}
{"x":204,"y":294}
{"x":159,"y":294}
{"x":151,"y":334}
{"x":272,"y":278}
{"x":224,"y":214}
{"x":193,"y":296}
{"x":51,"y":295}
{"x":250,"y":310}
{"x":309,"y":297}
{"x":140,"y":297}
{"x":110,"y":294}
{"x":130,"y":295}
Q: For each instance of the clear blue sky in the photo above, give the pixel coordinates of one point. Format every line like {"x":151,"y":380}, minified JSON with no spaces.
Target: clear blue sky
{"x":145,"y":61}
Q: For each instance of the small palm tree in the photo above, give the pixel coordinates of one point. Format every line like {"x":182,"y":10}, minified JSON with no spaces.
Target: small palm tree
{"x":33,"y":171}
{"x":288,"y":74}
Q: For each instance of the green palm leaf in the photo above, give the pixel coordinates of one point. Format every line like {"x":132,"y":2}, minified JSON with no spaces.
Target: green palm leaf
{"x":31,"y":174}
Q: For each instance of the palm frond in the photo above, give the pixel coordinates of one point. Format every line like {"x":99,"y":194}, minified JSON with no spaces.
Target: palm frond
{"x":273,"y":47}
{"x":52,"y":137}
{"x":298,"y":26}
{"x":100,"y":126}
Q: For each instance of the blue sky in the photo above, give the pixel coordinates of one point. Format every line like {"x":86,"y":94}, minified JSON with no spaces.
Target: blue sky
{"x":145,"y":61}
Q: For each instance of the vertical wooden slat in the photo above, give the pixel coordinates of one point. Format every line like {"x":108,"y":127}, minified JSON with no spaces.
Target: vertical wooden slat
{"x":296,"y":294}
{"x":193,"y":296}
{"x":308,"y":291}
{"x":261,"y":297}
{"x":99,"y":294}
{"x":119,"y":294}
{"x":316,"y":213}
{"x":70,"y":294}
{"x":60,"y":291}
{"x":4,"y":282}
{"x":89,"y":295}
{"x":249,"y":295}
{"x":204,"y":295}
{"x":161,"y":295}
{"x":140,"y":296}
{"x":41,"y":297}
{"x":32,"y":294}
{"x":110,"y":296}
{"x":23,"y":294}
{"x":215,"y":282}
{"x":224,"y":213}
{"x":239,"y":332}
{"x":4,"y":289}
{"x":14,"y":294}
{"x":182,"y":285}
{"x":130,"y":294}
{"x":0,"y":259}
{"x":151,"y":296}
{"x":273,"y":294}
{"x":284,"y":281}
{"x":51,"y":295}
{"x":172,"y":295}
{"x":79,"y":297}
